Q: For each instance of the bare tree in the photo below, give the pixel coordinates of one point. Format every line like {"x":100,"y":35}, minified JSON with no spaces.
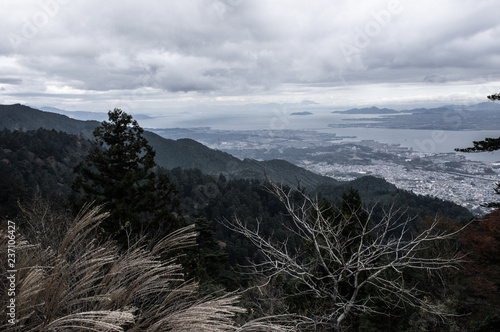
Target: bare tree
{"x":349,"y":260}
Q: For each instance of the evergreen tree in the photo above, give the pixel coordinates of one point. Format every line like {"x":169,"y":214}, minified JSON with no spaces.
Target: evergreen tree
{"x":205,"y":263}
{"x":118,"y":172}
{"x":495,"y":96}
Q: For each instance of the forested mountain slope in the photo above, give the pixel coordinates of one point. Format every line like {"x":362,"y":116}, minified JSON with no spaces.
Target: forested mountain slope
{"x":184,"y":153}
{"x":20,"y":117}
{"x":42,"y":161}
{"x":37,"y":162}
{"x":213,"y":187}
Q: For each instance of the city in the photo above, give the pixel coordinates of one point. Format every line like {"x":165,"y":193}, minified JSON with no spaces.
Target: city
{"x":448,"y":176}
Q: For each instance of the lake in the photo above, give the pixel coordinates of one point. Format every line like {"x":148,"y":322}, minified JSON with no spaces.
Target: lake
{"x":427,"y":141}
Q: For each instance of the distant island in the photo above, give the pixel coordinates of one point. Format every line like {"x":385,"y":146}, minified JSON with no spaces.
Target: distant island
{"x":371,"y":110}
{"x":301,"y":113}
{"x":483,"y":116}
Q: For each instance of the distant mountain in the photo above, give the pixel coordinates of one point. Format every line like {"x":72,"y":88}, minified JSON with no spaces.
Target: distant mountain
{"x":482,"y":116}
{"x":486,"y":106}
{"x":435,"y":110}
{"x":183,"y":153}
{"x":20,"y":117}
{"x":301,"y":113}
{"x":83,"y":115}
{"x":371,"y":110}
{"x":78,"y":115}
{"x":43,"y":160}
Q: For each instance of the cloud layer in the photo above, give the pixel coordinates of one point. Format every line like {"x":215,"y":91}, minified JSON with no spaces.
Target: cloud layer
{"x":86,"y":54}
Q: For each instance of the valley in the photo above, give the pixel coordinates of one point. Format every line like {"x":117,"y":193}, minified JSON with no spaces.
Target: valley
{"x":420,"y":161}
{"x":448,"y":176}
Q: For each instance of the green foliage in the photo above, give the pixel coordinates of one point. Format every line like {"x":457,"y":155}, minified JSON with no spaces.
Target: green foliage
{"x":206,"y":262}
{"x":39,"y":161}
{"x":379,"y":192}
{"x":119,"y":172}
{"x":42,"y":161}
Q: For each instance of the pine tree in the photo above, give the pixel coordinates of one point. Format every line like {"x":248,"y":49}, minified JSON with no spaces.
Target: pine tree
{"x":119,"y":173}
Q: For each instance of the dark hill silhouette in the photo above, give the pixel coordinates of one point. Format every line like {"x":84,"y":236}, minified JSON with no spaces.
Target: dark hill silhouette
{"x":42,"y":161}
{"x":183,"y":153}
{"x":24,"y":118}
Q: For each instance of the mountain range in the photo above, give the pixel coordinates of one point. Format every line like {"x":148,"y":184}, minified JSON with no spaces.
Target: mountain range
{"x":183,"y":153}
{"x":41,"y":149}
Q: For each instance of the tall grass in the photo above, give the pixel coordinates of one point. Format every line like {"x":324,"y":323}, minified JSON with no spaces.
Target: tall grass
{"x":67,"y":280}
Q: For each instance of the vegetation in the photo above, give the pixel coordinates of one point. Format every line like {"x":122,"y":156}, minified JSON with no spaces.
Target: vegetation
{"x":118,"y":172}
{"x":495,"y":96}
{"x":481,"y":274}
{"x":194,"y":155}
{"x":194,"y":273}
{"x":69,"y":281}
{"x":349,"y":264}
{"x":39,"y":161}
{"x":23,"y":118}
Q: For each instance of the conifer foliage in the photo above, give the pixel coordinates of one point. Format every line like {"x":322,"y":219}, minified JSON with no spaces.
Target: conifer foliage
{"x":119,"y":173}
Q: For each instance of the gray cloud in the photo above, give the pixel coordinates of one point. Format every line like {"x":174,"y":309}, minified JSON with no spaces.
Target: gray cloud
{"x":242,"y":48}
{"x":13,"y":81}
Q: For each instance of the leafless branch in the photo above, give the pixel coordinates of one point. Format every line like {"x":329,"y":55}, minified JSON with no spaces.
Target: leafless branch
{"x":350,"y":250}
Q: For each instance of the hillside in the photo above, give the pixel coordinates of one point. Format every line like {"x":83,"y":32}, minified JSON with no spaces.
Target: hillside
{"x":483,"y":116}
{"x":43,"y":159}
{"x":37,"y":162}
{"x":183,"y":153}
{"x":20,"y":117}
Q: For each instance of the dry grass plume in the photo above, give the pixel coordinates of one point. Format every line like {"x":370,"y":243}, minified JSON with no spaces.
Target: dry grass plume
{"x":68,"y":280}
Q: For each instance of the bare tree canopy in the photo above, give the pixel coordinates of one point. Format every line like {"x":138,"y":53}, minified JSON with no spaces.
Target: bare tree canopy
{"x":348,"y":260}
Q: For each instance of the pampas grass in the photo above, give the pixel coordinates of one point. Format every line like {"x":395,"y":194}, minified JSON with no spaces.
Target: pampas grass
{"x":67,"y":280}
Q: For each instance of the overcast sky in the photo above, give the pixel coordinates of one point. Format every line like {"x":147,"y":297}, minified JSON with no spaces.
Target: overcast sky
{"x":96,"y":55}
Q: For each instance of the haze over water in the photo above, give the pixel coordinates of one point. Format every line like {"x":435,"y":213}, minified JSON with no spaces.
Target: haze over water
{"x":426,"y":141}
